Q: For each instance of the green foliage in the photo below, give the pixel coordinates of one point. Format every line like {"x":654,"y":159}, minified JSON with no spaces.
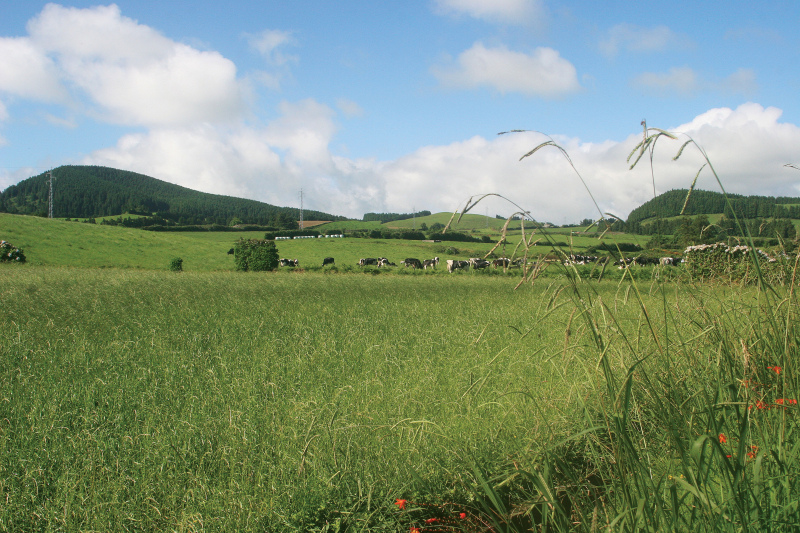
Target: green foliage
{"x":390,"y":217}
{"x":255,"y":255}
{"x":90,"y":191}
{"x":176,"y":265}
{"x":10,"y":253}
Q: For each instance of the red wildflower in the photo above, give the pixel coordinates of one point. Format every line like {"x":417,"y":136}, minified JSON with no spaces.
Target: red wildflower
{"x":413,"y":530}
{"x":760,"y":405}
{"x":753,"y":451}
{"x":431,"y":520}
{"x":722,"y":438}
{"x":775,"y":369}
{"x":787,"y":401}
{"x":400,"y":504}
{"x":462,"y":516}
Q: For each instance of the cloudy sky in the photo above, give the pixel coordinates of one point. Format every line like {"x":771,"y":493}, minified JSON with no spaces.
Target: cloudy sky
{"x":393,"y":106}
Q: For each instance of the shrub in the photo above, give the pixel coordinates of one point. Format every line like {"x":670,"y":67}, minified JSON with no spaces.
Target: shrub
{"x":8,"y":252}
{"x":256,"y":255}
{"x":176,"y":265}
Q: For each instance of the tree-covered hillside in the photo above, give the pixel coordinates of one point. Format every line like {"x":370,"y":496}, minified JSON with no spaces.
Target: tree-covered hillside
{"x":93,"y":191}
{"x":669,"y":204}
{"x":760,"y":216}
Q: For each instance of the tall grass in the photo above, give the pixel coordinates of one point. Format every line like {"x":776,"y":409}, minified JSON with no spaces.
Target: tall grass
{"x":693,"y":420}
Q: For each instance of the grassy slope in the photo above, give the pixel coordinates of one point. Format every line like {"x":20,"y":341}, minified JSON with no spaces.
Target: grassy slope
{"x":61,"y":243}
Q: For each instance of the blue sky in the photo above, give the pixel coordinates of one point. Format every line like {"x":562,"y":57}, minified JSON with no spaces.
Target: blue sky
{"x":390,"y":106}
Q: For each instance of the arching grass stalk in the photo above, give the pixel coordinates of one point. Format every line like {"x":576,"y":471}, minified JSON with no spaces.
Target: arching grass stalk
{"x":693,"y":424}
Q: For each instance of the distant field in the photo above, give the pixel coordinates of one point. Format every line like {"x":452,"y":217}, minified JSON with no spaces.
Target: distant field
{"x":61,"y":243}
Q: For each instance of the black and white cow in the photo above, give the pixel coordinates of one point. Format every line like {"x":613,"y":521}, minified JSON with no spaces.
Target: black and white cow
{"x":411,"y":262}
{"x":367,"y":261}
{"x":477,"y":262}
{"x":384,"y":262}
{"x":430,"y":263}
{"x":453,"y":265}
{"x":502,"y":262}
{"x":327,"y":261}
{"x":289,"y":262}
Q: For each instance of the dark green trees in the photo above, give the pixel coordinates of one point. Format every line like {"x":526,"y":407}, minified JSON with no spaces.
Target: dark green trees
{"x":256,"y":255}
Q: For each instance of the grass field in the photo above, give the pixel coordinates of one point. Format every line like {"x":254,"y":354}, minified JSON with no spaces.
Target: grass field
{"x":221,"y":401}
{"x":59,"y":243}
{"x":137,"y":399}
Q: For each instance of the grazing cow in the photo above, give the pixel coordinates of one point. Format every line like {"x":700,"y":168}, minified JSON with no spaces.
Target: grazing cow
{"x":668,"y":261}
{"x":327,"y":261}
{"x":367,"y":261}
{"x":230,"y":252}
{"x":289,"y":262}
{"x":453,"y":265}
{"x":430,"y":263}
{"x":384,"y":262}
{"x":411,"y":262}
{"x":503,"y":262}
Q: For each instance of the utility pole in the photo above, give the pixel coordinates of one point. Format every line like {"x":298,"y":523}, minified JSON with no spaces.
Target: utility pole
{"x":414,"y":216}
{"x":301,"y":208}
{"x":50,"y":213}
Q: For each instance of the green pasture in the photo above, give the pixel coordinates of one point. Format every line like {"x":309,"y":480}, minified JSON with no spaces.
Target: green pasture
{"x":61,"y":243}
{"x":223,"y":401}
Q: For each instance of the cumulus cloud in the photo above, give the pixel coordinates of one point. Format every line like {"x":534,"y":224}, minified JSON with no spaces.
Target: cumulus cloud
{"x":27,"y":72}
{"x":156,"y":83}
{"x":638,"y":39}
{"x":503,"y":11}
{"x":541,"y":73}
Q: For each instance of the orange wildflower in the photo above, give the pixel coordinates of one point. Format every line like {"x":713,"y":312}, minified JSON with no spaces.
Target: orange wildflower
{"x":462,"y":516}
{"x":775,"y":369}
{"x":400,"y":504}
{"x":722,"y":438}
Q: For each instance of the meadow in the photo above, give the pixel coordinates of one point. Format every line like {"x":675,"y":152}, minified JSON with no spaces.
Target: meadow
{"x":218,"y":401}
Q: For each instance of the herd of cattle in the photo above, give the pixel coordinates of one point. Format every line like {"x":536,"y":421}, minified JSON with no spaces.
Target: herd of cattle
{"x":571,"y":259}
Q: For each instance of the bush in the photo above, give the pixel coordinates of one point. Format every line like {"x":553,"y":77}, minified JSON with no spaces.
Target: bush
{"x":176,"y":265}
{"x":257,"y":255}
{"x":8,"y":253}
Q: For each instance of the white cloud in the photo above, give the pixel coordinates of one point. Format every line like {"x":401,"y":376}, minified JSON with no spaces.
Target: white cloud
{"x":541,"y":73}
{"x":748,"y":146}
{"x":684,"y":81}
{"x":27,"y":72}
{"x":638,"y":39}
{"x":268,"y":44}
{"x":349,"y":108}
{"x":503,"y":11}
{"x":123,"y":71}
{"x":743,"y":81}
{"x":681,"y":80}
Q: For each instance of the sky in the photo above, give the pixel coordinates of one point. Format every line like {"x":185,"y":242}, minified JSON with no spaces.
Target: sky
{"x":396,"y":106}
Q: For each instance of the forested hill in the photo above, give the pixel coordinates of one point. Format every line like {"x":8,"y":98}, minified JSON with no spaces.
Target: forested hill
{"x":93,"y":191}
{"x":669,"y":204}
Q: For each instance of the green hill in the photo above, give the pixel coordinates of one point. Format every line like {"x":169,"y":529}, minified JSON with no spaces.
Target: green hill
{"x":669,"y":204}
{"x":93,"y":191}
